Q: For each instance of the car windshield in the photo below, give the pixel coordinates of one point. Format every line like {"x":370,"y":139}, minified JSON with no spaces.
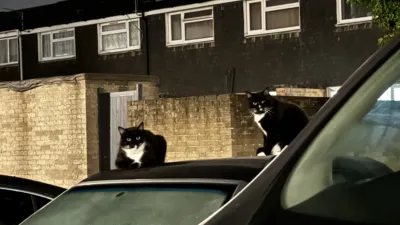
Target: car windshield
{"x":130,"y":206}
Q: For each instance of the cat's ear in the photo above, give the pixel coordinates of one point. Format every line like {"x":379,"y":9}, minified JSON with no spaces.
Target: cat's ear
{"x":266,"y":91}
{"x":248,"y":94}
{"x":141,"y":126}
{"x":121,"y":130}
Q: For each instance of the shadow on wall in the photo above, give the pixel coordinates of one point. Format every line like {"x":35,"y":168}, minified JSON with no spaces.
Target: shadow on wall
{"x":207,"y":126}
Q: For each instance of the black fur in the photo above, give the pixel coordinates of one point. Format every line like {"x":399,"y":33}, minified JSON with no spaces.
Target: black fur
{"x":154,"y":151}
{"x":282,"y":121}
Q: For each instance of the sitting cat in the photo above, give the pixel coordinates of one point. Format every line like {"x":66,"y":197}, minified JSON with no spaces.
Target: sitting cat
{"x":280,"y":122}
{"x":140,"y":148}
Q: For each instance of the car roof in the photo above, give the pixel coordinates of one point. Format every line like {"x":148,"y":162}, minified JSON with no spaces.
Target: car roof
{"x":30,"y":186}
{"x":241,"y":169}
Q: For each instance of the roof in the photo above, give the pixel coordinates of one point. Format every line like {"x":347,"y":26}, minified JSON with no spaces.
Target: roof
{"x":243,"y":169}
{"x":30,"y":186}
{"x":70,"y":11}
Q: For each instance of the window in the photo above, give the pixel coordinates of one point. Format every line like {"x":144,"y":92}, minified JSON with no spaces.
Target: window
{"x":350,"y":170}
{"x":14,"y":206}
{"x":8,"y":51}
{"x":132,"y":205}
{"x":119,"y":36}
{"x":271,"y":16}
{"x":350,"y":13}
{"x":57,"y":45}
{"x":190,"y":26}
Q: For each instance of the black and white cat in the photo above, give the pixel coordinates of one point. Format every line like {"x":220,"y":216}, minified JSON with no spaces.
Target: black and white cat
{"x":280,"y":122}
{"x":140,"y":148}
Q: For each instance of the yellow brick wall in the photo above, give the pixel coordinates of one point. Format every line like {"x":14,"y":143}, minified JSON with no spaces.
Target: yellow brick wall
{"x":50,"y":133}
{"x":43,"y":133}
{"x":207,"y":126}
{"x":194,"y":127}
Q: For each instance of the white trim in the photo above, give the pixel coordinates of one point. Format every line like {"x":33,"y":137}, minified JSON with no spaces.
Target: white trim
{"x":183,"y":41}
{"x":125,"y":17}
{"x":8,"y":33}
{"x":52,"y":40}
{"x":190,"y":6}
{"x":81,"y":23}
{"x":100,"y":34}
{"x":7,"y":39}
{"x":341,"y":21}
{"x":26,"y":192}
{"x":264,"y":9}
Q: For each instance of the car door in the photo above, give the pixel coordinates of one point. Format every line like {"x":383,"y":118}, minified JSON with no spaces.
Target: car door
{"x":350,"y":172}
{"x":16,"y":205}
{"x":337,"y":170}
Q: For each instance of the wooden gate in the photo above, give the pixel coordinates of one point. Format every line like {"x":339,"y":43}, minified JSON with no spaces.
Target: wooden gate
{"x":113,"y":112}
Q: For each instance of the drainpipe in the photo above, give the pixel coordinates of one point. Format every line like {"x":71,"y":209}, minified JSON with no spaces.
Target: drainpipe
{"x":21,"y":68}
{"x":146,"y":25}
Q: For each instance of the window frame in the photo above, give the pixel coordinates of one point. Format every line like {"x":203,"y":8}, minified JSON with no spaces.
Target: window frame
{"x":51,"y":58}
{"x":265,"y":9}
{"x":183,"y":40}
{"x":8,"y":38}
{"x":100,"y":34}
{"x":340,"y":19}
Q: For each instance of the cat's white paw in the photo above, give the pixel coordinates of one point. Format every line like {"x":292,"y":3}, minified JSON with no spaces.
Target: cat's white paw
{"x":261,"y":154}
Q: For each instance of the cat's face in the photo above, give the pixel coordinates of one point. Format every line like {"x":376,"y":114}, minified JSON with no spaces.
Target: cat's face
{"x":261,"y":102}
{"x":131,"y":137}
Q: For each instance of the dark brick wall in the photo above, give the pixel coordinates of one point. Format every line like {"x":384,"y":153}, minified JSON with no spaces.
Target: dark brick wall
{"x":320,"y":55}
{"x":87,"y":58}
{"x":9,"y":73}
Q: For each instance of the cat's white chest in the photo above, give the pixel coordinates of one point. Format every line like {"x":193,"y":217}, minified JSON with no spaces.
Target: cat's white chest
{"x":257,"y":119}
{"x":135,"y":154}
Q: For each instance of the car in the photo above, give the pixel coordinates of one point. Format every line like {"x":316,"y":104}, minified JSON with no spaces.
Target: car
{"x":342,"y":168}
{"x":20,"y":197}
{"x":173,"y":193}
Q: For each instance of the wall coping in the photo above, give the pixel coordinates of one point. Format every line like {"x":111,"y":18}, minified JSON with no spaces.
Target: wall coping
{"x":25,"y":85}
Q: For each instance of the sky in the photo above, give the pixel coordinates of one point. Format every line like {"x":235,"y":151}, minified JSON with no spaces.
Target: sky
{"x":21,"y":4}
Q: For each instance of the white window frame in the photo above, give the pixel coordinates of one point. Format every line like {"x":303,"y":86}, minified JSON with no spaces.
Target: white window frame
{"x":265,"y":9}
{"x":40,"y":35}
{"x":8,"y":38}
{"x":340,"y":19}
{"x":100,"y":34}
{"x":183,"y":41}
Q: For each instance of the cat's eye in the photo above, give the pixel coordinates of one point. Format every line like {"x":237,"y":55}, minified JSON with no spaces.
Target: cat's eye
{"x":262,"y":102}
{"x":254,"y":103}
{"x":138,"y":138}
{"x":128,"y":139}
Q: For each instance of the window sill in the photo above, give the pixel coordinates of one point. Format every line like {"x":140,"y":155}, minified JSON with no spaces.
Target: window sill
{"x":57,"y":59}
{"x":351,"y":23}
{"x":119,"y":51}
{"x":194,"y":42}
{"x":193,"y":45}
{"x":8,"y":64}
{"x":351,"y":26}
{"x":272,"y":36}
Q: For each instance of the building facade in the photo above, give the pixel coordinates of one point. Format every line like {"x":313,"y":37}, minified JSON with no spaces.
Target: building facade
{"x":194,"y":47}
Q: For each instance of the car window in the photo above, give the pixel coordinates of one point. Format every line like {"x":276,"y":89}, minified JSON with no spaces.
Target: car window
{"x":130,"y":205}
{"x":349,"y":170}
{"x":14,"y":207}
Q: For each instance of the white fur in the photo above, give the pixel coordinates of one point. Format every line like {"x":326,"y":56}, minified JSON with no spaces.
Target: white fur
{"x":136,"y":153}
{"x":261,"y":154}
{"x":257,"y":118}
{"x":276,"y":150}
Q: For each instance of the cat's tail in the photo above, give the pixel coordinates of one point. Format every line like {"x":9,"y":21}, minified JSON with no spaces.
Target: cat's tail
{"x":162,"y":149}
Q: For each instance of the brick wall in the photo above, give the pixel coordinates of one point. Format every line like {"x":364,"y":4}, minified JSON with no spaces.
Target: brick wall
{"x":207,"y":126}
{"x":49,"y":133}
